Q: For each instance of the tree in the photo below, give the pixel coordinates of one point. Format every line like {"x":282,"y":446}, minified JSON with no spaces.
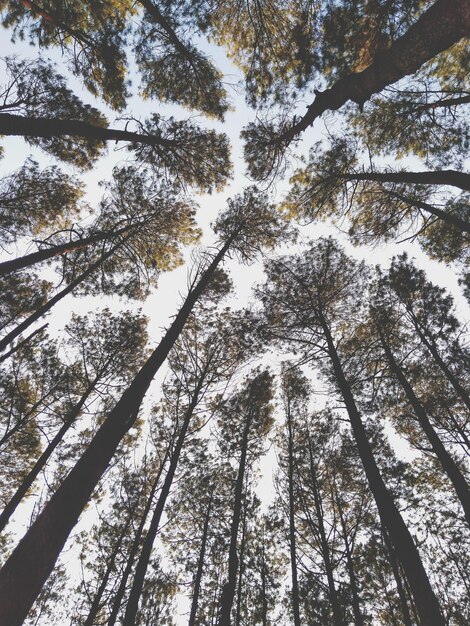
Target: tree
{"x":266,"y":143}
{"x":39,"y":106}
{"x":251,"y":405}
{"x":305,"y":299}
{"x":245,"y":233}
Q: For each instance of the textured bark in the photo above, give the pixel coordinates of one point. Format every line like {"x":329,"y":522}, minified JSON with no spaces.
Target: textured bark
{"x":448,"y":464}
{"x":452,"y":178}
{"x":146,"y":552}
{"x":50,"y":127}
{"x":200,"y":564}
{"x":438,"y":28}
{"x":30,"y":564}
{"x":292,"y":542}
{"x":426,"y":602}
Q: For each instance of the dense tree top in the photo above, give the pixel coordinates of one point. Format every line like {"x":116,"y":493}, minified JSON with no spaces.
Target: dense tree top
{"x":353,"y":534}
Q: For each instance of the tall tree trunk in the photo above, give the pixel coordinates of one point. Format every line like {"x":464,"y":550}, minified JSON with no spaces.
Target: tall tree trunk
{"x":430,"y":344}
{"x":325,"y":548}
{"x":264,"y":598}
{"x":30,"y":564}
{"x":396,"y":573}
{"x":47,"y":306}
{"x":52,"y":127}
{"x":228,"y":589}
{"x":292,"y":540}
{"x":200,"y":564}
{"x":145,"y":554}
{"x":448,"y":218}
{"x":136,"y":542}
{"x":438,"y":28}
{"x":29,"y":260}
{"x":356,"y":605}
{"x":43,"y":459}
{"x":238,"y":612}
{"x":405,"y":548}
{"x":97,"y":603}
{"x":448,"y":464}
{"x":442,"y":177}
{"x":23,"y":342}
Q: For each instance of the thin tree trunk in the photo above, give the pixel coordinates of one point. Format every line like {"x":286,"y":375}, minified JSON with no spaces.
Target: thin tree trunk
{"x":449,"y":218}
{"x":30,"y":564}
{"x":48,"y":253}
{"x":200,"y":564}
{"x":356,"y":605}
{"x":116,"y":605}
{"x":438,"y":28}
{"x":264,"y":600}
{"x":452,"y":178}
{"x":47,"y":306}
{"x":325,"y":549}
{"x":406,"y":551}
{"x":428,"y":341}
{"x":145,"y":554}
{"x":43,"y":459}
{"x":396,"y":573}
{"x":448,"y":464}
{"x":97,"y":603}
{"x":292,"y":542}
{"x":228,"y":589}
{"x":23,"y":342}
{"x":51,"y":127}
{"x":238,"y":613}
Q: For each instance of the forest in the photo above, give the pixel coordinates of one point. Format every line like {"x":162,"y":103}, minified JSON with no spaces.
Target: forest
{"x":235,"y":308}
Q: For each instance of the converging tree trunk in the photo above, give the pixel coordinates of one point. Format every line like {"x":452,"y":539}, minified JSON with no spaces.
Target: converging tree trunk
{"x":30,"y":564}
{"x":144,"y":558}
{"x":448,"y":464}
{"x":228,"y":589}
{"x":438,"y":28}
{"x":200,"y":563}
{"x":405,"y":548}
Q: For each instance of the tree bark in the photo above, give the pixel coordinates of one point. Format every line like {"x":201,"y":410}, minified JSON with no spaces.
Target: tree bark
{"x":396,"y":573}
{"x":406,"y":551}
{"x":200,"y":564}
{"x":145,"y":554}
{"x":325,"y":549}
{"x":228,"y":589}
{"x":116,"y":605}
{"x":452,"y":178}
{"x":453,"y":220}
{"x":28,"y":260}
{"x":47,"y":306}
{"x":358,"y":619}
{"x":430,"y":344}
{"x":30,"y":564}
{"x":448,"y":464}
{"x":49,"y":127}
{"x":438,"y":28}
{"x":23,"y":342}
{"x":292,"y":542}
{"x":43,"y":459}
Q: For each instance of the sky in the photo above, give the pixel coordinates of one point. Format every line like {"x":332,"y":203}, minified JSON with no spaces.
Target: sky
{"x":163,"y":303}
